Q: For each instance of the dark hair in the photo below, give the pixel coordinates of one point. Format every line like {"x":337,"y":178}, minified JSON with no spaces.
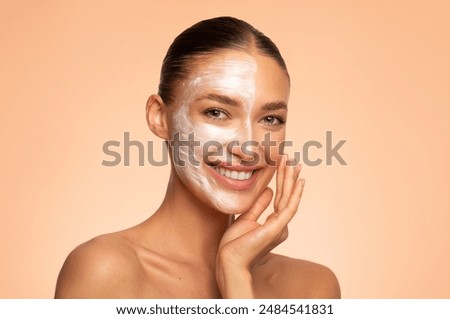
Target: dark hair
{"x":209,"y":36}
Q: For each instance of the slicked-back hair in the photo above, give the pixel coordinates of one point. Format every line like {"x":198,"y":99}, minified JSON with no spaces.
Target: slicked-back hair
{"x":206,"y":37}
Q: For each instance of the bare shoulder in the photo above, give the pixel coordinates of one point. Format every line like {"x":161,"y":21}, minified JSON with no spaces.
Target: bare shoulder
{"x":96,"y":268}
{"x":284,"y":277}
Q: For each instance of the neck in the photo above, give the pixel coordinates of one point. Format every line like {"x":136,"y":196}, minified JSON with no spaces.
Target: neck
{"x":187,"y":229}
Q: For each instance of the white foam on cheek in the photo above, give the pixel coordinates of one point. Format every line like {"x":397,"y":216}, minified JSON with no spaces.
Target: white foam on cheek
{"x":223,"y":200}
{"x":232,"y":77}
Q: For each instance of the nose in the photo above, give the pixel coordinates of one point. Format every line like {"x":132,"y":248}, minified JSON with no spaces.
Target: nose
{"x":245,"y":149}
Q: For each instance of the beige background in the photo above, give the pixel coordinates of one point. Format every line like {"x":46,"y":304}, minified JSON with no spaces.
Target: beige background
{"x":74,"y":74}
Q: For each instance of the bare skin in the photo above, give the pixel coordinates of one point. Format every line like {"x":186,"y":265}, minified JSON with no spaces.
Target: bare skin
{"x":131,"y":264}
{"x":190,"y":249}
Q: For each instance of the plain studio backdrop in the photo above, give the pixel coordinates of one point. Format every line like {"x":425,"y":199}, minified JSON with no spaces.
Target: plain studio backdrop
{"x":76,"y":74}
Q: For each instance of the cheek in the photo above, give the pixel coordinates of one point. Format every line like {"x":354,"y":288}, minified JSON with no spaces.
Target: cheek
{"x":213,"y":140}
{"x":208,"y":132}
{"x":273,"y":146}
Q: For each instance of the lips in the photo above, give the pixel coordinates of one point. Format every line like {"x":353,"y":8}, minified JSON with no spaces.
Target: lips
{"x":235,"y":177}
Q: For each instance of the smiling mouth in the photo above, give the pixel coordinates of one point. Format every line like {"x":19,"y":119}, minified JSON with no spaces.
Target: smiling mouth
{"x":241,"y":176}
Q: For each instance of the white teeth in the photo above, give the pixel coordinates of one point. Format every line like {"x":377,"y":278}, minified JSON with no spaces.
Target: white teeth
{"x":234,"y":174}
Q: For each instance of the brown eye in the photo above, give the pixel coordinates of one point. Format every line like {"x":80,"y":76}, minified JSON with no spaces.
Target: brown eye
{"x":270,"y":119}
{"x":216,"y":114}
{"x":273,"y":120}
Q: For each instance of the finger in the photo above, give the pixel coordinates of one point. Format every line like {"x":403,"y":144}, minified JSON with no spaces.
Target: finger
{"x":270,"y":243}
{"x":285,"y":216}
{"x":280,"y":178}
{"x":265,"y":238}
{"x":259,"y":207}
{"x":290,"y":174}
{"x":274,"y":231}
{"x":278,"y":220}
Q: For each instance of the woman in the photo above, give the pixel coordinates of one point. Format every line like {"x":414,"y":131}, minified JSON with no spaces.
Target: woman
{"x":222,"y":108}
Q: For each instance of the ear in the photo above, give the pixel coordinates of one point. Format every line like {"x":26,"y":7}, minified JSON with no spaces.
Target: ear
{"x":157,"y":116}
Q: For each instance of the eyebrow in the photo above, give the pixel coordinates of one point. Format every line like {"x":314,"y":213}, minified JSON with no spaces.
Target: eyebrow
{"x":224,"y":99}
{"x":274,"y":106}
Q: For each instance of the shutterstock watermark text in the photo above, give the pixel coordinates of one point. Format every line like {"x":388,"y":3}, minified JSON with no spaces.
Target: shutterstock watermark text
{"x":184,"y":150}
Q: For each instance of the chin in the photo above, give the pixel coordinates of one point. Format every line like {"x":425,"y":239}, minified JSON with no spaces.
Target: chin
{"x":235,"y":203}
{"x":231,"y":210}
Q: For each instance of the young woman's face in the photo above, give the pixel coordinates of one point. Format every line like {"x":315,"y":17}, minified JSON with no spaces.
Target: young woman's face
{"x":228,"y":125}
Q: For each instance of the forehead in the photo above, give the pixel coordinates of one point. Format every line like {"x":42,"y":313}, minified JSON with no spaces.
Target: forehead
{"x":227,"y":70}
{"x":237,"y":73}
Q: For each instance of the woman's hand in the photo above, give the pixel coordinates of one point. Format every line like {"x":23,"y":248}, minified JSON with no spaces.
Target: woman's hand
{"x":246,"y":241}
